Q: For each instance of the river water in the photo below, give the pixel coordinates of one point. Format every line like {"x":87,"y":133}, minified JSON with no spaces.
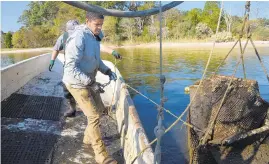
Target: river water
{"x":182,"y":67}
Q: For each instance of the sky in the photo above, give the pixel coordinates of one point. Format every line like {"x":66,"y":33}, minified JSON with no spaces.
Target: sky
{"x":12,"y":10}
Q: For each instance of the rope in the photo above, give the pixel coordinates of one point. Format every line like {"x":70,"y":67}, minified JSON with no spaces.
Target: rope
{"x":247,"y":9}
{"x":203,"y":76}
{"x":246,"y":17}
{"x":264,"y":69}
{"x":166,"y":110}
{"x":242,"y":58}
{"x":226,"y":57}
{"x":247,"y":6}
{"x":159,"y":129}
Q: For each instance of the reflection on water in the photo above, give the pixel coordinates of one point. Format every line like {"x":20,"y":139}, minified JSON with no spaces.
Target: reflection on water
{"x":8,"y":59}
{"x":182,"y":67}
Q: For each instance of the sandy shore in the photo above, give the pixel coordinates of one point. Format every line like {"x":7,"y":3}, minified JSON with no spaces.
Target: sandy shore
{"x":26,"y":50}
{"x":193,"y":45}
{"x":156,"y":45}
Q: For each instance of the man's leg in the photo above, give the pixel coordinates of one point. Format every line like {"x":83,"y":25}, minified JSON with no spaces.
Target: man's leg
{"x":86,"y":102}
{"x":100,"y":109}
{"x":98,"y":100}
{"x":71,"y":112}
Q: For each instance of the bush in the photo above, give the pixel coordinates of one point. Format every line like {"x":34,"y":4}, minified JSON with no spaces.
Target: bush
{"x":8,"y":40}
{"x":34,"y":37}
{"x":223,"y":37}
{"x":203,"y":31}
{"x":261,"y":33}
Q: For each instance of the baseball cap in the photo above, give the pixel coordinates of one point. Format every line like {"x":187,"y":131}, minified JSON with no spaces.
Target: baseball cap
{"x":71,"y":24}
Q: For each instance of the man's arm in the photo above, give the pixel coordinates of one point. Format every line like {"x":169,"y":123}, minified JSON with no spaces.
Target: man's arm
{"x":56,"y":49}
{"x":54,"y":54}
{"x":110,"y":51}
{"x":106,"y":49}
{"x":102,"y":67}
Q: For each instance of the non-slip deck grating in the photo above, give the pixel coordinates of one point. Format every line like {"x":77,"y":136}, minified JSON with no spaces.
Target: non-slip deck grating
{"x":30,"y":148}
{"x":26,"y":106}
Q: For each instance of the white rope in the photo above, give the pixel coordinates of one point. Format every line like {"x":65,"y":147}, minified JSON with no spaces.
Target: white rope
{"x":166,"y":110}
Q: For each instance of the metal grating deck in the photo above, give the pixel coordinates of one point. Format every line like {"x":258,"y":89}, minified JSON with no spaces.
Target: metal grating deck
{"x":30,"y":148}
{"x":26,"y":106}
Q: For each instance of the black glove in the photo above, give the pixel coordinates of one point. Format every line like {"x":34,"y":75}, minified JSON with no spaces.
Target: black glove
{"x":116,"y":55}
{"x":97,"y":88}
{"x":112,"y":75}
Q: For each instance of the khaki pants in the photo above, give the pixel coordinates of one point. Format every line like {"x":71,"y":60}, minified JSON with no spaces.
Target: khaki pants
{"x":92,"y":106}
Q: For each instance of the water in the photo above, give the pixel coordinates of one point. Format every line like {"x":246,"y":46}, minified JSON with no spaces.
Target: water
{"x":12,"y":58}
{"x":186,"y":66}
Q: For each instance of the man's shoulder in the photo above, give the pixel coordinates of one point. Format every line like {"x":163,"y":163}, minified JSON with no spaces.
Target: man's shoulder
{"x":79,"y":31}
{"x":60,"y":37}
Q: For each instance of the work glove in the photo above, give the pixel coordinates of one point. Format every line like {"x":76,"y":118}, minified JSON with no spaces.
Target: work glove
{"x":51,"y":64}
{"x":116,"y":54}
{"x":97,"y":87}
{"x":112,"y":75}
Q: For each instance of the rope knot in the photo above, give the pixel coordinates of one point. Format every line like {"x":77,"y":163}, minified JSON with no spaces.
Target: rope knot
{"x":162,"y":79}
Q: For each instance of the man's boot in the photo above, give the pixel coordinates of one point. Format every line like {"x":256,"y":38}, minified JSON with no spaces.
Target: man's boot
{"x":71,"y":112}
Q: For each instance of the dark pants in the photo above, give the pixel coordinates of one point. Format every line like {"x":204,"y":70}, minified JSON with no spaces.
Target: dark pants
{"x":68,"y":95}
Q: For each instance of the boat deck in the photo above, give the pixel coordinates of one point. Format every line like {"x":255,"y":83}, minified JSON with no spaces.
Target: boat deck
{"x":33,"y":128}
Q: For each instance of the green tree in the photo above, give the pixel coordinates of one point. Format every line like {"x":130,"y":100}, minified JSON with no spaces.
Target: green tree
{"x":34,"y":37}
{"x":110,"y":28}
{"x":127,"y":28}
{"x":171,"y":18}
{"x":40,"y":36}
{"x":203,"y":31}
{"x":237,"y":25}
{"x":18,"y":39}
{"x":65,"y":13}
{"x":2,"y":39}
{"x":119,"y":5}
{"x":194,"y":15}
{"x":8,"y":40}
{"x":184,"y":30}
{"x":142,"y":21}
{"x":40,"y":12}
{"x":210,"y":14}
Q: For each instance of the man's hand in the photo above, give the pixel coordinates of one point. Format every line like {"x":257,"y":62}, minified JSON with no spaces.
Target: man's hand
{"x":96,"y":87}
{"x":116,"y":55}
{"x":51,"y":64}
{"x":112,"y":75}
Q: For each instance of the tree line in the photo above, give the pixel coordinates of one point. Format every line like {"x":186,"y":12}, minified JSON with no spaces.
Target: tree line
{"x":44,"y":21}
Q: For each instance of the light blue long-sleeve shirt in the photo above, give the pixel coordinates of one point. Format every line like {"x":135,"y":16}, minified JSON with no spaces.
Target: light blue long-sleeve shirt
{"x":82,"y":58}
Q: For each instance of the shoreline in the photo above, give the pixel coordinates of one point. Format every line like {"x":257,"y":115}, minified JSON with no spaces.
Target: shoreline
{"x":10,"y":51}
{"x":193,"y":45}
